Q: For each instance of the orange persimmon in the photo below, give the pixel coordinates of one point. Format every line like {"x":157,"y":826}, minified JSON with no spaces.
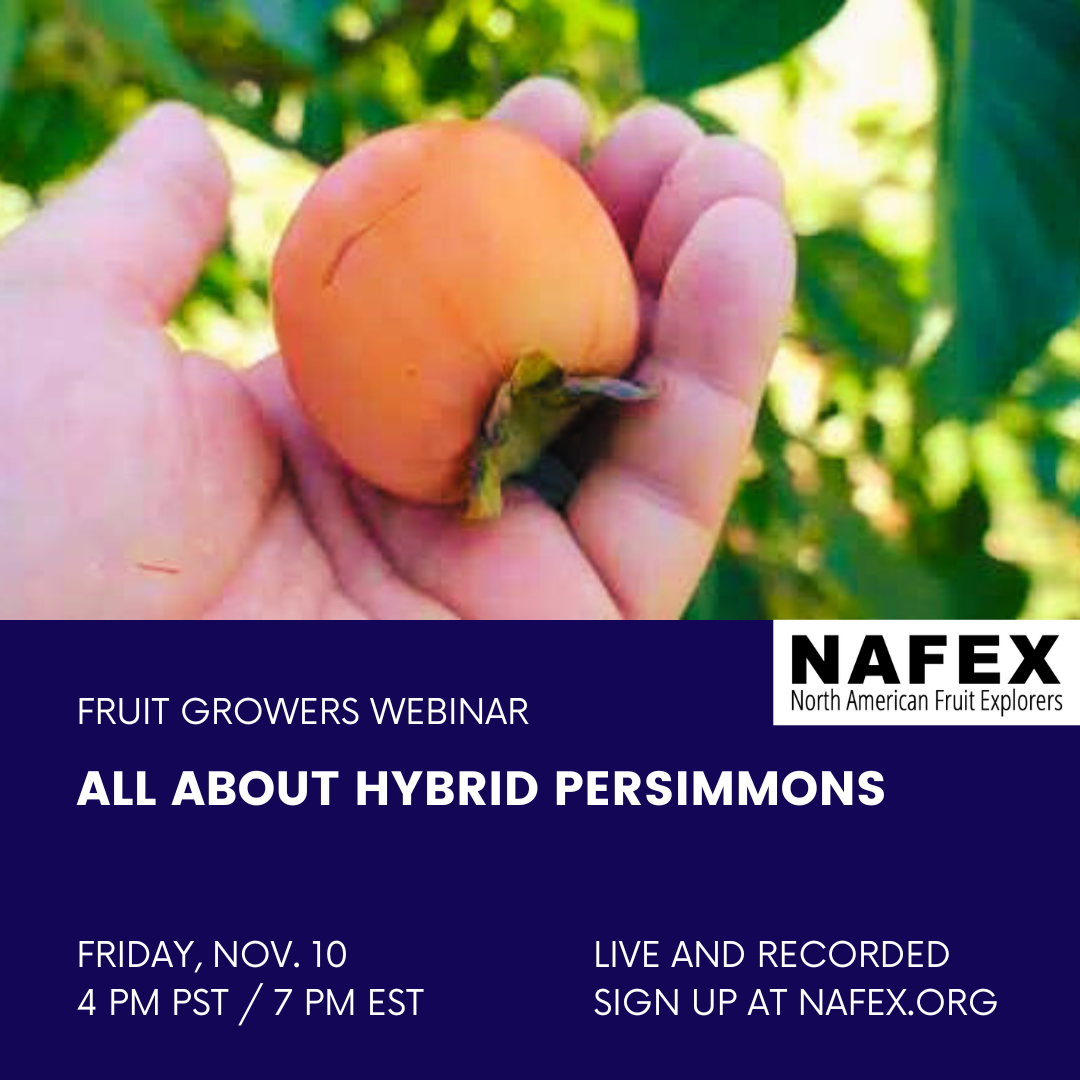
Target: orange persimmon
{"x":430,"y":282}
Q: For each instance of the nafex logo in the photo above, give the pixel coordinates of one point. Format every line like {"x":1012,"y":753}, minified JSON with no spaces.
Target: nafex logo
{"x":976,"y":654}
{"x":926,"y":672}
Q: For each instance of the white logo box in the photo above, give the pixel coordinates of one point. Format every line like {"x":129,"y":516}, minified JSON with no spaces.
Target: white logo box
{"x":952,"y":659}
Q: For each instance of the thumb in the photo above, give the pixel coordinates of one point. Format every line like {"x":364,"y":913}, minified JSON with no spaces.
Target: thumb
{"x":137,"y":226}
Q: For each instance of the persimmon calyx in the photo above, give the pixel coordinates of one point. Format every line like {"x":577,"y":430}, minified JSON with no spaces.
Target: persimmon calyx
{"x":529,"y":411}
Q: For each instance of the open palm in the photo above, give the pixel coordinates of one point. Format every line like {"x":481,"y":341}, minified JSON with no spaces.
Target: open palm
{"x":136,"y":481}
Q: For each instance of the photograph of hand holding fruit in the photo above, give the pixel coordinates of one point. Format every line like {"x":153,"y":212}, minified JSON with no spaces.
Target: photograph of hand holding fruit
{"x":527,"y":272}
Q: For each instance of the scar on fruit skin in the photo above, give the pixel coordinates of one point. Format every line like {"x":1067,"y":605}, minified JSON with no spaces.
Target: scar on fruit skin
{"x":157,"y":568}
{"x":352,"y":239}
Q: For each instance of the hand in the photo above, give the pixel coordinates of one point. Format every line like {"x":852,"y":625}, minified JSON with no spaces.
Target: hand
{"x":137,"y":481}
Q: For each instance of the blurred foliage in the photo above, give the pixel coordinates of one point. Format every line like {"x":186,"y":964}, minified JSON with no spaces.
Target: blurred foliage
{"x":919,"y":453}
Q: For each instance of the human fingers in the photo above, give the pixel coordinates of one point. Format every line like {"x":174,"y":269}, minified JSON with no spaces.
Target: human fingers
{"x":709,"y":171}
{"x":631,"y":163}
{"x":138,"y":226}
{"x":648,"y":513}
{"x":549,"y":110}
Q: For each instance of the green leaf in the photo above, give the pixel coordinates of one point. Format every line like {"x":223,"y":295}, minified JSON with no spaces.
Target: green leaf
{"x":47,"y":131}
{"x":882,"y":580}
{"x":376,"y":114}
{"x":322,"y":137}
{"x":686,"y":44}
{"x":952,"y":545}
{"x":450,"y":72}
{"x":1046,"y":455}
{"x":731,"y":589}
{"x":296,"y":27}
{"x":1058,"y":391}
{"x":852,"y":301}
{"x":12,"y":27}
{"x":1008,"y":267}
{"x":982,"y":587}
{"x":137,"y":29}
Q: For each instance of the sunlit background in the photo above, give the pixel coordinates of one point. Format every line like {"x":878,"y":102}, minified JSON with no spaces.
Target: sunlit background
{"x":861,"y":499}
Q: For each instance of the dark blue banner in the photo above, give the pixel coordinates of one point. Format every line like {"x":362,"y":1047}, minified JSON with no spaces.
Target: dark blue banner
{"x":689,"y":890}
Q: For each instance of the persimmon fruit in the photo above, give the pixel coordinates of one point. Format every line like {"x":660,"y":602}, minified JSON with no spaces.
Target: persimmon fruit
{"x":446,"y":298}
